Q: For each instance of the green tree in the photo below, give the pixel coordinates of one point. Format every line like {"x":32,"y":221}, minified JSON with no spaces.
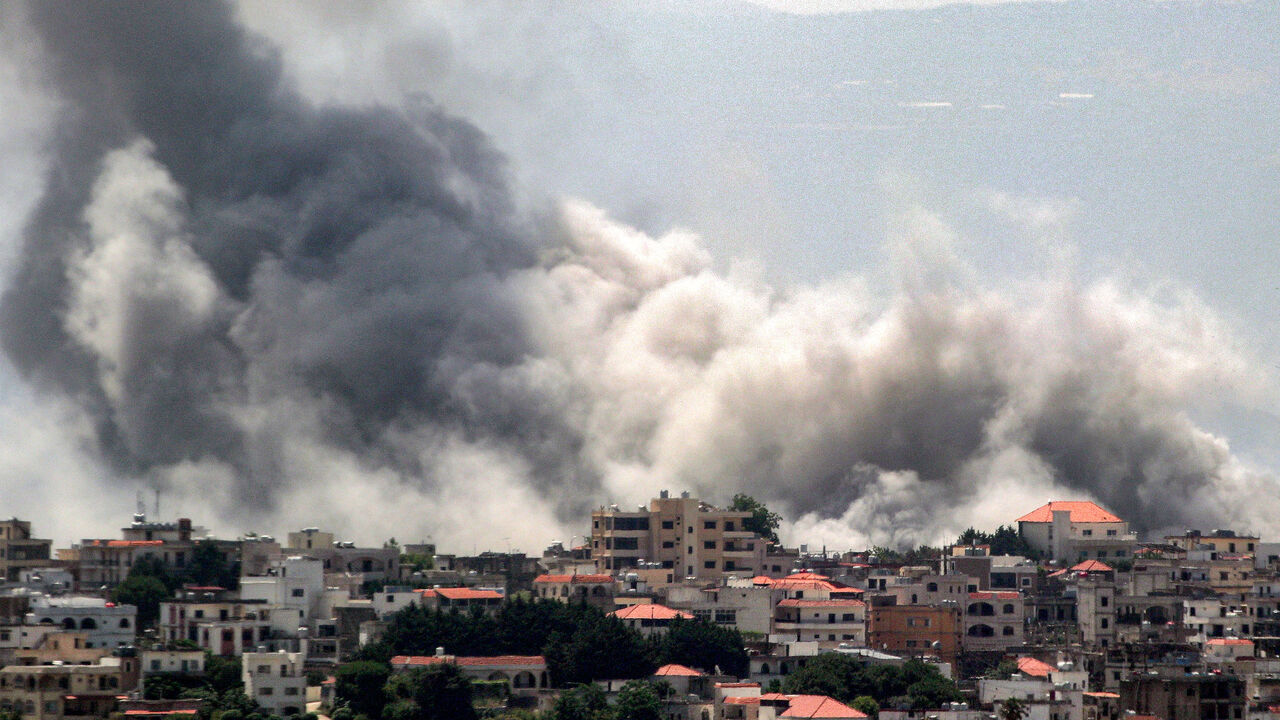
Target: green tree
{"x":703,"y":645}
{"x":601,"y":647}
{"x":360,"y":685}
{"x":437,"y":692}
{"x":866,"y":705}
{"x":146,"y":592}
{"x":1013,"y":709}
{"x":583,"y":702}
{"x":209,"y":566}
{"x":762,"y":522}
{"x":638,"y":700}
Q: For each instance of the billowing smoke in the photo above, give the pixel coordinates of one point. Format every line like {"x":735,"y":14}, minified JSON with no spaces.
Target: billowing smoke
{"x":345,"y":317}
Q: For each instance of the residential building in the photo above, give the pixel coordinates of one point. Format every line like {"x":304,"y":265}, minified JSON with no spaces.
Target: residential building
{"x":828,"y":622}
{"x":106,"y":624}
{"x":461,"y":598}
{"x":1223,"y":542}
{"x":525,"y":674}
{"x":1183,"y":696}
{"x":685,"y":535}
{"x":594,"y":589}
{"x":19,"y":551}
{"x":275,"y":681}
{"x":918,"y":630}
{"x":993,"y":621}
{"x":649,"y":618}
{"x":1076,"y":530}
{"x":55,"y":692}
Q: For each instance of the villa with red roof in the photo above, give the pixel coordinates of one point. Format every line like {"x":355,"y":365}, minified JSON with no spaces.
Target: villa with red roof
{"x":649,"y":618}
{"x":745,"y":702}
{"x":594,"y":589}
{"x":1076,"y":530}
{"x":461,"y":598}
{"x":524,"y":674}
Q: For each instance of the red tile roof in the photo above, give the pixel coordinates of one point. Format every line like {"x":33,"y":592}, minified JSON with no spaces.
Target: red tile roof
{"x":987,"y":595}
{"x":1033,"y":667}
{"x":1092,"y":566}
{"x":494,"y":661}
{"x":1111,"y":695}
{"x":1082,"y":511}
{"x":741,"y":700}
{"x":462,"y":594}
{"x":806,"y":576}
{"x":573,"y":579}
{"x":674,"y":670}
{"x":818,"y":706}
{"x":1229,"y":641}
{"x":649,"y":611}
{"x":793,"y":602}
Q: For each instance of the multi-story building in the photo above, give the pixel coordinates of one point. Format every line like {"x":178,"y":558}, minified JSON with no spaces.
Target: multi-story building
{"x":993,"y":621}
{"x":461,"y":598}
{"x":684,"y":534}
{"x":914,"y":630}
{"x":525,"y":675}
{"x":108,"y":562}
{"x":1077,"y":530}
{"x":19,"y":551}
{"x":56,"y":692}
{"x":649,"y":618}
{"x":1183,"y":696}
{"x":275,"y":681}
{"x":828,"y":622}
{"x":106,"y":624}
{"x":1223,"y":542}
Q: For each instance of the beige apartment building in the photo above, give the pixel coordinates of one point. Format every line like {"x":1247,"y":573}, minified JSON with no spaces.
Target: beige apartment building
{"x":684,"y":534}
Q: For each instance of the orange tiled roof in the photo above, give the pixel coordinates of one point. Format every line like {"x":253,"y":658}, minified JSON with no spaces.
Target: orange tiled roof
{"x":1033,"y":667}
{"x":649,"y":611}
{"x":1081,"y":511}
{"x":818,"y":706}
{"x":1093,"y":566}
{"x":806,"y":576}
{"x":495,"y":661}
{"x":741,"y":700}
{"x":1229,"y":641}
{"x":988,"y":595}
{"x":466,"y":594}
{"x":793,"y":602}
{"x":1111,"y":695}
{"x":674,"y":670}
{"x":573,"y":579}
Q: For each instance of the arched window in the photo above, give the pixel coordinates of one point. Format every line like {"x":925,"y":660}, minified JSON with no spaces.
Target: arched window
{"x":982,"y":609}
{"x":764,"y":668}
{"x":124,"y":622}
{"x":69,"y":623}
{"x":981,"y":631}
{"x":932,"y":587}
{"x":88,"y":624}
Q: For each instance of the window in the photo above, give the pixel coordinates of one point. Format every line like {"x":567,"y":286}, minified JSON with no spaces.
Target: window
{"x":1111,"y":533}
{"x":1086,"y":533}
{"x":1007,"y":630}
{"x":666,"y":544}
{"x":264,"y":691}
{"x":155,"y":665}
{"x":1103,"y":600}
{"x":728,"y":526}
{"x":668,"y":525}
{"x":709,"y":545}
{"x":710,"y":564}
{"x":264,"y":669}
{"x":1105,"y":624}
{"x":709,"y":525}
{"x":931,"y":587}
{"x":291,"y":691}
{"x":626,"y":543}
{"x":689,"y":550}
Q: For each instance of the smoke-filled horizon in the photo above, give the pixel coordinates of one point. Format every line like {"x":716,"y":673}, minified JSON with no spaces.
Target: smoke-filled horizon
{"x":300,"y":314}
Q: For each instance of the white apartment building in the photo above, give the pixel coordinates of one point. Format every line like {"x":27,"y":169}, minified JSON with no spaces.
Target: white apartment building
{"x":106,"y":624}
{"x":275,"y":681}
{"x":295,"y":581}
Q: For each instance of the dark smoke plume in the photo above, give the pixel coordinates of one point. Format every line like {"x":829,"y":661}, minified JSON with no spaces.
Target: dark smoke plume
{"x":345,"y":317}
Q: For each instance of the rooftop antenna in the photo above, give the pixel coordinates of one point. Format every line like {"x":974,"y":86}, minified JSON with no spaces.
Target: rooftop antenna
{"x":157,"y":504}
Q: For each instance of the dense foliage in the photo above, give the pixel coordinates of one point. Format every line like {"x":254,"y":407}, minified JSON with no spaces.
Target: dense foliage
{"x":580,"y":642}
{"x":762,"y":522}
{"x":914,"y":685}
{"x":1004,"y":541}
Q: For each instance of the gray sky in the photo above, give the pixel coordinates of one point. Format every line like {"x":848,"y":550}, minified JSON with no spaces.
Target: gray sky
{"x":1124,"y":150}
